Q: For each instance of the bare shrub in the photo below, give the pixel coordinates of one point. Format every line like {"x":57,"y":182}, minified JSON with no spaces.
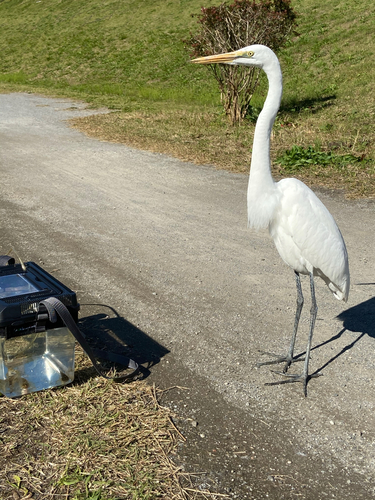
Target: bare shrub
{"x":229,"y":27}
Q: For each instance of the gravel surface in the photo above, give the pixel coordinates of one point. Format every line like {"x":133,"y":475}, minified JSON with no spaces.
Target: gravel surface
{"x":165,"y":243}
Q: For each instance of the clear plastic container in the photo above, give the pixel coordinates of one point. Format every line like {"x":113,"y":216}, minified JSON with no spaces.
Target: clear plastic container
{"x":36,"y":361}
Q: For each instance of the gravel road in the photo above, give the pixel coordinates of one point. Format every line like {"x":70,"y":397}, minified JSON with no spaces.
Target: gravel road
{"x":165,"y":243}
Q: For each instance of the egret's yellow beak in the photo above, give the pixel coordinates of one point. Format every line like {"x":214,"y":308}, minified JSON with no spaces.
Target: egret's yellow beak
{"x":225,"y":58}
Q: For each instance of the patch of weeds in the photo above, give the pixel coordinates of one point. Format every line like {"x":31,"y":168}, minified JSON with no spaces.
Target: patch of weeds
{"x":16,"y":484}
{"x":252,"y":113}
{"x":327,"y":127}
{"x":298,"y":158}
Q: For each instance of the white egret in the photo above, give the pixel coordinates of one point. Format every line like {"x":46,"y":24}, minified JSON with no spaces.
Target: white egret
{"x":305,"y":233}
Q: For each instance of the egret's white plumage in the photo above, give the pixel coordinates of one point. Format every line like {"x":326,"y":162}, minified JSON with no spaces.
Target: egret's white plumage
{"x":305,"y":233}
{"x":307,"y":237}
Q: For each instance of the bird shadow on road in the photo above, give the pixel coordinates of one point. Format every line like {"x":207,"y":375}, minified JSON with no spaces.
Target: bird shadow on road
{"x":105,"y":329}
{"x":358,"y":319}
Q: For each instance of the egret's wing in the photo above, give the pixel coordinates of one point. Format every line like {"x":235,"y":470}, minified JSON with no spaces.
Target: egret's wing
{"x":308,"y":235}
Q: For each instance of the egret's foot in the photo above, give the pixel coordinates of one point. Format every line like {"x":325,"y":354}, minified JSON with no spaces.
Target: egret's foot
{"x":288,"y":360}
{"x":294,"y":378}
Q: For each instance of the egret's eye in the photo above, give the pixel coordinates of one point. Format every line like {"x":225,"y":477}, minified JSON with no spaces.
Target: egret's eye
{"x":245,"y":54}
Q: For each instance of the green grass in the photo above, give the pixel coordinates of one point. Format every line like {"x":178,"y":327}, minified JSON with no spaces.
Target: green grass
{"x":332,"y":57}
{"x":120,"y":53}
{"x":130,"y":57}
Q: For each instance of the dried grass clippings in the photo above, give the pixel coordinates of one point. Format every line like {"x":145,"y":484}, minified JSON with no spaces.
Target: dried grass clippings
{"x":93,"y":439}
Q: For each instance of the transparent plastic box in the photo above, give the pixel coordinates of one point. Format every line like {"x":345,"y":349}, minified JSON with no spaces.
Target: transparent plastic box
{"x":35,"y":354}
{"x":36,"y":361}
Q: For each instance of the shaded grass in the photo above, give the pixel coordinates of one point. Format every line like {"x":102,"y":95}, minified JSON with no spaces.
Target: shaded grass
{"x":94,"y":439}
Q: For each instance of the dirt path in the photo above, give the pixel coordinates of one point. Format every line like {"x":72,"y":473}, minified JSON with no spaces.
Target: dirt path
{"x":165,"y":243}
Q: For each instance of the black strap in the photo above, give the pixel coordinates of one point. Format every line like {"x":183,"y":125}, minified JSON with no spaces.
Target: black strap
{"x":53,"y":306}
{"x":5,"y":260}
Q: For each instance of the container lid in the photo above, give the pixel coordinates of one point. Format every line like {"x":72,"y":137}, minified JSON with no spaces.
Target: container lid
{"x":13,"y":285}
{"x":22,"y":289}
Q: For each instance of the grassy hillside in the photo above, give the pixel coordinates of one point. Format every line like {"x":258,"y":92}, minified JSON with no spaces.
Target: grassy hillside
{"x":130,"y":56}
{"x":117,"y":52}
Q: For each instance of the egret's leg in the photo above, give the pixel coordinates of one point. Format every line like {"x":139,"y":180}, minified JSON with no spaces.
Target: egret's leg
{"x":300,"y":300}
{"x":304,"y":377}
{"x":288,"y":359}
{"x":313,"y":313}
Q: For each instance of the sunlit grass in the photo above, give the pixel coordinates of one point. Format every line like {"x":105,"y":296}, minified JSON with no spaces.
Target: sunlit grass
{"x":14,"y":78}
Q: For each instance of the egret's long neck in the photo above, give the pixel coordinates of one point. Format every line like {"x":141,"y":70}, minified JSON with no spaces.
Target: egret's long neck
{"x":261,"y":161}
{"x":261,"y":197}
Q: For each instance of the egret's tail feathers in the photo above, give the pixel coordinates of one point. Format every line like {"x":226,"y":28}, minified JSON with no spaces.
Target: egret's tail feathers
{"x":340,"y":293}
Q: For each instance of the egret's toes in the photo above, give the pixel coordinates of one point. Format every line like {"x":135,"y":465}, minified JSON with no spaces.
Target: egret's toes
{"x":277,"y":359}
{"x":288,"y":360}
{"x":289,"y":378}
